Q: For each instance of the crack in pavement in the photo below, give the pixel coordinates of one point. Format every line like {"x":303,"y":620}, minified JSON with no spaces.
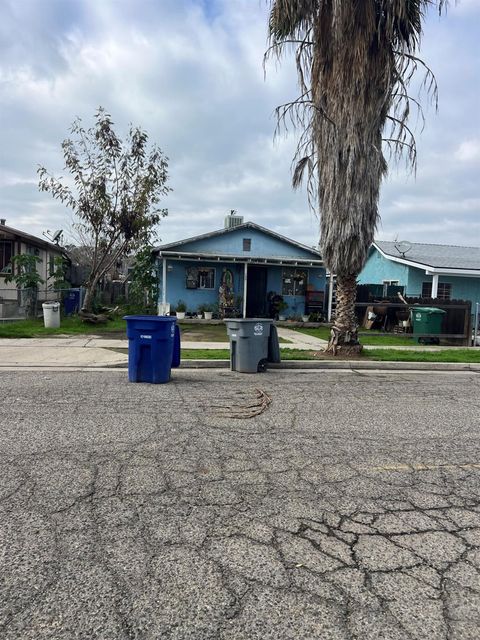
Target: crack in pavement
{"x":349,"y":510}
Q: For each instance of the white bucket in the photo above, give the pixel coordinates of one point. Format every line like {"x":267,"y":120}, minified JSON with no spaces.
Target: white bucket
{"x":51,"y":315}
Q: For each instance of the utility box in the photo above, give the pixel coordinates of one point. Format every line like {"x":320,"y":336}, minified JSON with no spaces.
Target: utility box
{"x":427,"y":320}
{"x":153,"y":348}
{"x":249,"y":344}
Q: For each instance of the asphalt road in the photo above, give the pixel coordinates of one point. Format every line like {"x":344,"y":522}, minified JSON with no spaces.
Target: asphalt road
{"x":349,"y":508}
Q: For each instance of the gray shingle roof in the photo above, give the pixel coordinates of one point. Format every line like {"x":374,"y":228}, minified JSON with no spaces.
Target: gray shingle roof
{"x":436,"y":255}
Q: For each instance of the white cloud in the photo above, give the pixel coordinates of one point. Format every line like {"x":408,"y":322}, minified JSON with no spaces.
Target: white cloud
{"x":191,"y":74}
{"x":468,"y":151}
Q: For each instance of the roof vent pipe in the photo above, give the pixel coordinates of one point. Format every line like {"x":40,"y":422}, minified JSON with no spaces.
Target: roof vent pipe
{"x":3,"y":221}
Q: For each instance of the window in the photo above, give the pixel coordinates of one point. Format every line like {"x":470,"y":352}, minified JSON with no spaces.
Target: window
{"x":247,"y":244}
{"x":444,"y":291}
{"x":200,"y":278}
{"x":388,"y":283}
{"x":51,"y":264}
{"x":294,"y":282}
{"x":33,"y":251}
{"x":206,"y":278}
{"x":5,"y":256}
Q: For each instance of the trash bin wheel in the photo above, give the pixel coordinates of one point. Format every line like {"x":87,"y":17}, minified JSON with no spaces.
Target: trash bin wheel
{"x":262,"y":365}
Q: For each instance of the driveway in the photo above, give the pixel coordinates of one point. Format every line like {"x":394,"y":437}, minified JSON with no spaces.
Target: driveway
{"x":347,"y":508}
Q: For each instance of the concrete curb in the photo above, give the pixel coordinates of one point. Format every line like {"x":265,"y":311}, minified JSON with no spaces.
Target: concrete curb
{"x":319,"y":365}
{"x":353,"y":365}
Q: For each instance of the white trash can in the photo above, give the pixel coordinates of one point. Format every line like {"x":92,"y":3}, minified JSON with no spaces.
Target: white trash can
{"x":51,"y":315}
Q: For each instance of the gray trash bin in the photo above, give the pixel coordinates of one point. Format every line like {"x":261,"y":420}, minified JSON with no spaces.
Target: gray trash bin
{"x":249,"y":344}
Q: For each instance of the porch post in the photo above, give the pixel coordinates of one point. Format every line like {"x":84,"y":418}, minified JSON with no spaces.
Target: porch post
{"x":164,"y":283}
{"x":435,"y":286}
{"x":245,"y":276}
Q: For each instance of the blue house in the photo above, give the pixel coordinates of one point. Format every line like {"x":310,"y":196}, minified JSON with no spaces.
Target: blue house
{"x":240,"y":268}
{"x":425,"y":270}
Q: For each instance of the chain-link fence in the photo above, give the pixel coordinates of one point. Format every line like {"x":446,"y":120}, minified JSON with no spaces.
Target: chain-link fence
{"x":27,"y":303}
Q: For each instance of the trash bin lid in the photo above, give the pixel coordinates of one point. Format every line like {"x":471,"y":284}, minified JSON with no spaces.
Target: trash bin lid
{"x":50,"y":305}
{"x":429,"y":310}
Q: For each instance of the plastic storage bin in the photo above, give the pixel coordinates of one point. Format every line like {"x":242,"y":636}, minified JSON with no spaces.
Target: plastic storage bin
{"x":153,"y":348}
{"x":427,"y":320}
{"x":71,"y":302}
{"x":249,"y":344}
{"x":51,"y":315}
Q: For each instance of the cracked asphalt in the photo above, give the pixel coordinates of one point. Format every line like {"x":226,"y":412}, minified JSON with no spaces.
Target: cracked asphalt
{"x":348,"y":509}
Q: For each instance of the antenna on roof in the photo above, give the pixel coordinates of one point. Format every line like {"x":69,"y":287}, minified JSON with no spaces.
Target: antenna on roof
{"x":54,"y":236}
{"x":403,"y":247}
{"x":57,"y":236}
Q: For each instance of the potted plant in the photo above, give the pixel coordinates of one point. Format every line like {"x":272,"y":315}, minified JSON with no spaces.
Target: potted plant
{"x":305,"y":318}
{"x":206,"y":310}
{"x":181,"y":309}
{"x":282,"y":306}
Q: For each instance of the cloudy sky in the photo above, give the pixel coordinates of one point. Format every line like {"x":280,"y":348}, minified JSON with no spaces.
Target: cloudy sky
{"x":190,"y":73}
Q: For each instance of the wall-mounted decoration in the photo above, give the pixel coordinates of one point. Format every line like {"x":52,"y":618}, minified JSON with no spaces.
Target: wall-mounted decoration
{"x":191,"y":274}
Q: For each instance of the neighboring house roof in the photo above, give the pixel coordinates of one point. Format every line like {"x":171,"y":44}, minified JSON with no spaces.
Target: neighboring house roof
{"x":437,"y":258}
{"x":172,"y":246}
{"x":26,"y":237}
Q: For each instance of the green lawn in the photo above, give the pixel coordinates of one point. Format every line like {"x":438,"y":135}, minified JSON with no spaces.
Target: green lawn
{"x":191,"y":332}
{"x":447,"y":355}
{"x":385,"y":355}
{"x":388,"y":339}
{"x":392,"y":355}
{"x":224,"y":354}
{"x":69,"y":326}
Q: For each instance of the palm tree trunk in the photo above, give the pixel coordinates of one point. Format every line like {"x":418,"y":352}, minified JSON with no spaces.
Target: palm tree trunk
{"x":344,"y":334}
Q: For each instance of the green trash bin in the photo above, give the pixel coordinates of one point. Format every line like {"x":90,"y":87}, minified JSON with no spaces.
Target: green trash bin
{"x":427,"y":320}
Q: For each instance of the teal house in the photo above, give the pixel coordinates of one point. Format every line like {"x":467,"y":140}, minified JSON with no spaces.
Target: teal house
{"x":239,"y":270}
{"x":438,"y":271}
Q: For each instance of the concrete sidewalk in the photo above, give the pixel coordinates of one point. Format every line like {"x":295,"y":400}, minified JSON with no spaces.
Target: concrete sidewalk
{"x":96,"y":351}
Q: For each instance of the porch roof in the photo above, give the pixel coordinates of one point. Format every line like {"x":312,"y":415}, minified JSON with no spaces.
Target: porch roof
{"x":211,"y":257}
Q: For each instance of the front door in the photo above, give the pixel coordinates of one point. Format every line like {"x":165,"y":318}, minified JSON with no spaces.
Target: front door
{"x":257,"y":292}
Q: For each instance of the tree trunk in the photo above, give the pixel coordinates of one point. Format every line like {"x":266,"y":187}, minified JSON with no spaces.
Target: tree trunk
{"x":89,"y":296}
{"x":344,"y":334}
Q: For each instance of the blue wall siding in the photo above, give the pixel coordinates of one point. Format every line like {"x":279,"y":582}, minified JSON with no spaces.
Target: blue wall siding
{"x":176,"y":283}
{"x":377,"y":269}
{"x":296,"y":304}
{"x":176,"y":280}
{"x":262,"y":245}
{"x":462,"y":288}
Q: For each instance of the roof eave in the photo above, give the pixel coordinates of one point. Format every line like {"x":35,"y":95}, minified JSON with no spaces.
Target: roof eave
{"x":245,"y":225}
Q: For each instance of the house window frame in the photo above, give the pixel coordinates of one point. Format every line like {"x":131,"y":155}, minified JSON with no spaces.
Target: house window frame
{"x":294,"y":274}
{"x":4,"y":270}
{"x":389,"y":283}
{"x":247,"y":244}
{"x":212,"y":270}
{"x":444,"y":290}
{"x":195,"y":278}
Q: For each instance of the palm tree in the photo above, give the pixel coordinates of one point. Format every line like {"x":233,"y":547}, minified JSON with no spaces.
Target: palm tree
{"x":355,"y":61}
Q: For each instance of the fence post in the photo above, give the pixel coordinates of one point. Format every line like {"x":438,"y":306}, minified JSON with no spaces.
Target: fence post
{"x":475,"y":333}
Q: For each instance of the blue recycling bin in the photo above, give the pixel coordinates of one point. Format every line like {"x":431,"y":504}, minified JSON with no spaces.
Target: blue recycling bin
{"x":153,"y":348}
{"x":71,"y":302}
